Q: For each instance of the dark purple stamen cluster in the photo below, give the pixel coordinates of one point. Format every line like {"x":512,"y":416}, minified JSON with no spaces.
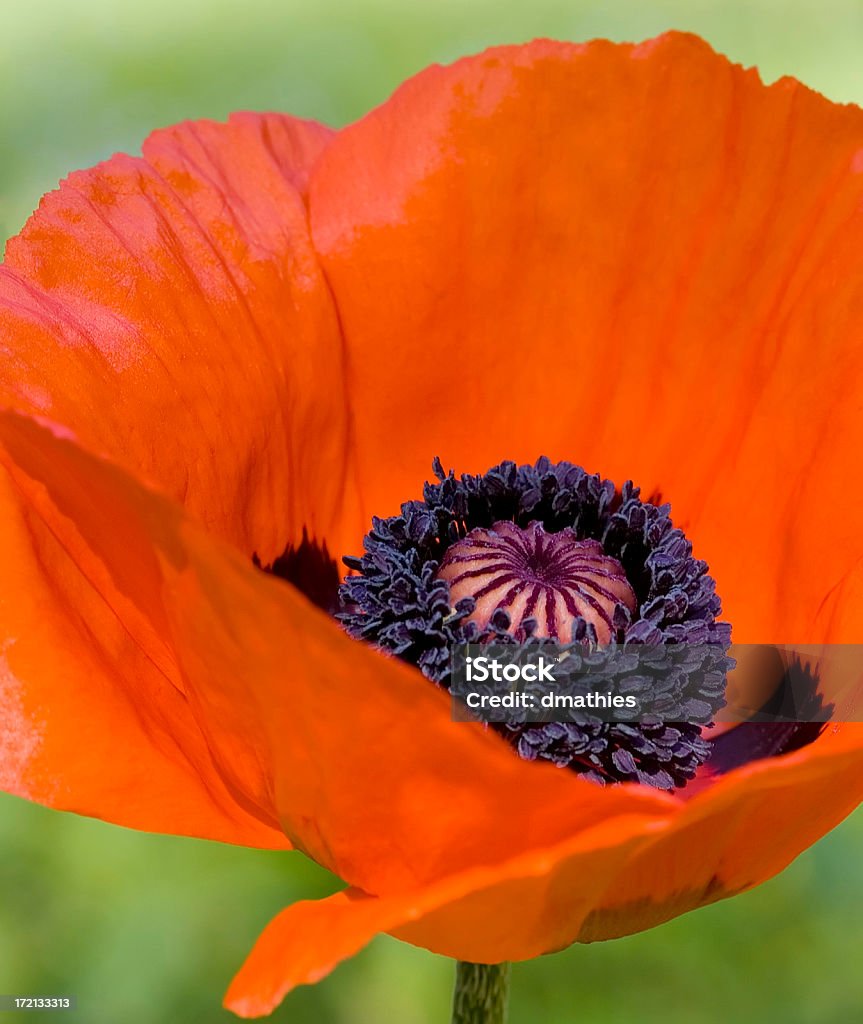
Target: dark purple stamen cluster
{"x":397,"y":602}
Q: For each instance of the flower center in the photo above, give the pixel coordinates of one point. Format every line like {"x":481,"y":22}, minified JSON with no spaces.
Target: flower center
{"x":553,"y":579}
{"x":523,"y":553}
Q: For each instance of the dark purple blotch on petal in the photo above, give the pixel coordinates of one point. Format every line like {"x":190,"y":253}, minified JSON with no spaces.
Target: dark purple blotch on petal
{"x":311,"y":569}
{"x":796,"y":699}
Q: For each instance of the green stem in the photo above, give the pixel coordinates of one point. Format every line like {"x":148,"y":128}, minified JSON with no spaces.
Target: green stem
{"x":481,"y":993}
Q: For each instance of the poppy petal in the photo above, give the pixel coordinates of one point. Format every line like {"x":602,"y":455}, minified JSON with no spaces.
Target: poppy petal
{"x":170,"y":310}
{"x":94,"y":716}
{"x":611,"y":880}
{"x":740,"y":832}
{"x":307,"y":940}
{"x":632,"y":257}
{"x":356,"y":753}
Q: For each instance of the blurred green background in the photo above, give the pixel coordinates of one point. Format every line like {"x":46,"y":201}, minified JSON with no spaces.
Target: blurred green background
{"x":146,"y":929}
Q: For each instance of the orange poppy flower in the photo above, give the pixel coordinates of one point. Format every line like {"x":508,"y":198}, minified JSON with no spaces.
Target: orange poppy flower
{"x":635,"y":257}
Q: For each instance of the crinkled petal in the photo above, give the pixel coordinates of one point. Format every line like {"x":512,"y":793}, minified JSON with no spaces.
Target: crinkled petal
{"x":637,"y":258}
{"x":170,"y":310}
